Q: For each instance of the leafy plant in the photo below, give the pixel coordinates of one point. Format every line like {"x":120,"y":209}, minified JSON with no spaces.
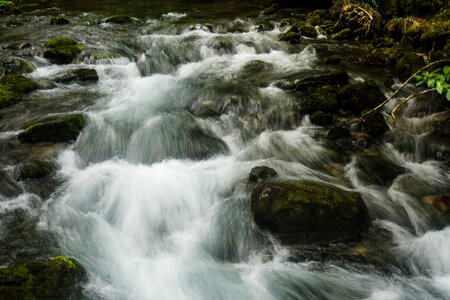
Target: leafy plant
{"x":438,"y":79}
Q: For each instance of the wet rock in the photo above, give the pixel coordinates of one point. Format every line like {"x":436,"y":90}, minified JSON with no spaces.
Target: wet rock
{"x":359,"y":96}
{"x":303,"y":212}
{"x":440,"y":204}
{"x":56,"y":278}
{"x":377,"y":168}
{"x":58,"y":129}
{"x":257,"y":71}
{"x":80,"y":75}
{"x":302,"y":82}
{"x":36,"y":168}
{"x":342,"y":35}
{"x":308,"y":30}
{"x":322,"y":99}
{"x":59,"y":21}
{"x":261,"y":173}
{"x":338,"y":133}
{"x":62,"y":50}
{"x":16,"y":64}
{"x":8,"y":186}
{"x":375,"y":125}
{"x":206,"y":109}
{"x":315,"y":20}
{"x":271,"y":10}
{"x":8,"y":95}
{"x":119,"y":19}
{"x":20,"y":83}
{"x":321,"y":118}
{"x":291,"y":36}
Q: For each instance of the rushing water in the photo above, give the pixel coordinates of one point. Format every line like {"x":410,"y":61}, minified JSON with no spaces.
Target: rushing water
{"x":154,"y":201}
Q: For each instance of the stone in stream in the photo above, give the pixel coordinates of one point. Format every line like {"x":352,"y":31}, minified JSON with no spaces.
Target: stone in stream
{"x":50,"y":279}
{"x":261,"y":173}
{"x":291,"y":36}
{"x":304,"y":212}
{"x":308,"y":30}
{"x":359,"y":96}
{"x":305,"y":82}
{"x":80,"y":75}
{"x":119,"y":19}
{"x":62,"y":50}
{"x":36,"y":168}
{"x":375,"y":125}
{"x":440,"y":204}
{"x":58,"y":129}
{"x":342,"y":35}
{"x":12,"y":86}
{"x":322,"y":99}
{"x":60,"y":20}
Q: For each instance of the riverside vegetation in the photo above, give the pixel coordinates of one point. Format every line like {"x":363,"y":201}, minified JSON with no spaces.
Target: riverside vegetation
{"x":309,"y":123}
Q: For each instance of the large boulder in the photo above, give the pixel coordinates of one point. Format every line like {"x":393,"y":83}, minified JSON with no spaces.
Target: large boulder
{"x":304,"y":212}
{"x":62,"y":50}
{"x":359,"y":96}
{"x":59,"y":129}
{"x":56,"y":278}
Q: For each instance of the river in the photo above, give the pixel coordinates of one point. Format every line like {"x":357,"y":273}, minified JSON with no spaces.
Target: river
{"x":154,"y":201}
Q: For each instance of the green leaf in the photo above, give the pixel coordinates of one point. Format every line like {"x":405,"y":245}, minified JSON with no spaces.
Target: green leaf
{"x":448,"y":95}
{"x":447,"y":70}
{"x":439,"y":87}
{"x":420,"y":82}
{"x":431,"y":83}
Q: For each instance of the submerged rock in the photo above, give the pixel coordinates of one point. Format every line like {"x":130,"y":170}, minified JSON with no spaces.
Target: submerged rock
{"x":303,"y":212}
{"x":56,"y":278}
{"x":261,"y":173}
{"x":59,"y":129}
{"x":81,"y":75}
{"x":62,"y":50}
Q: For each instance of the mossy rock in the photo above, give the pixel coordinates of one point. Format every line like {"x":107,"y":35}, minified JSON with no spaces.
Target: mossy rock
{"x":315,"y":20}
{"x":36,"y":168}
{"x":80,"y":75}
{"x":6,"y":7}
{"x":304,"y":212}
{"x":322,"y":99}
{"x":8,"y":95}
{"x":359,"y":96}
{"x":59,"y":21}
{"x":271,"y":10}
{"x":385,"y":56}
{"x":17,"y":65}
{"x":119,"y":19}
{"x":308,"y":30}
{"x":342,"y":35}
{"x":20,"y":83}
{"x":62,"y":50}
{"x":291,"y":36}
{"x":59,"y":129}
{"x":56,"y":278}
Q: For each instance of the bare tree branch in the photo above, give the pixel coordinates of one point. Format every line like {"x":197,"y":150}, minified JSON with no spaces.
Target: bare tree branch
{"x":401,"y":104}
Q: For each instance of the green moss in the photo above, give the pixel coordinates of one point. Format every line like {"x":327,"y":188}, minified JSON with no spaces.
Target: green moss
{"x":342,"y":35}
{"x":20,"y":83}
{"x":322,"y":99}
{"x":36,"y":169}
{"x":8,"y":95}
{"x":5,"y":6}
{"x":61,"y":129}
{"x":291,"y":37}
{"x":308,"y":30}
{"x":384,"y":56}
{"x":62,"y":50}
{"x":315,"y":20}
{"x":56,"y":278}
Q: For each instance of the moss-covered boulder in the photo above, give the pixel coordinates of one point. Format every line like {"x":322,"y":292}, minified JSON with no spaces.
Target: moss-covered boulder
{"x":359,"y":96}
{"x":375,"y":125}
{"x":308,"y":30}
{"x":20,"y":83}
{"x":62,"y":50}
{"x":119,"y":19}
{"x":59,"y":129}
{"x":80,"y":75}
{"x":60,"y":20}
{"x":291,"y":36}
{"x":8,"y":95}
{"x":322,"y":99}
{"x":303,"y":212}
{"x":36,"y":168}
{"x":56,"y":278}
